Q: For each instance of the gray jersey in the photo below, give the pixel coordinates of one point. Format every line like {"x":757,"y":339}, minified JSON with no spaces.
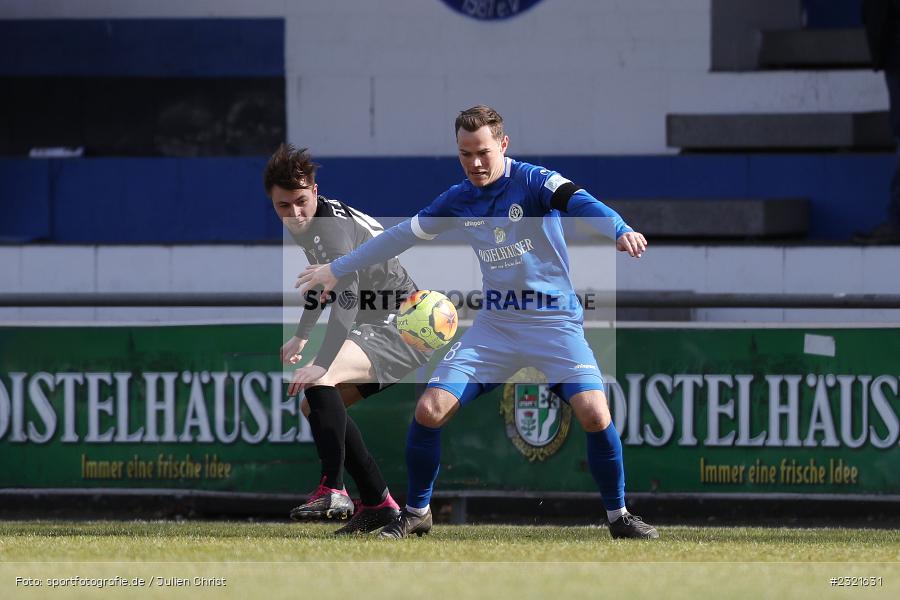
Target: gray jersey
{"x":366,"y":296}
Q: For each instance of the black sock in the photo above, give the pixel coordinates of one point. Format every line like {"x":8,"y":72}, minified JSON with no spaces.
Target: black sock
{"x":328,"y":423}
{"x":363,"y":468}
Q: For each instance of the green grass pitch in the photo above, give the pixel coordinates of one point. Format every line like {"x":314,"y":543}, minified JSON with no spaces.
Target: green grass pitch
{"x":287,"y":560}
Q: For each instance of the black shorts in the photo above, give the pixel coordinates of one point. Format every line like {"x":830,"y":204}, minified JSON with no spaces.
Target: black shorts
{"x":392,"y":359}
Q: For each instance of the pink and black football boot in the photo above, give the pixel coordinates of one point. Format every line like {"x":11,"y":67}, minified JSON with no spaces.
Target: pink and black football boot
{"x":369,"y":518}
{"x":325,"y":503}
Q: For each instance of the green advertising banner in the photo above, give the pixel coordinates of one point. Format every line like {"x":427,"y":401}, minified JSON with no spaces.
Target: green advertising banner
{"x":742,"y":411}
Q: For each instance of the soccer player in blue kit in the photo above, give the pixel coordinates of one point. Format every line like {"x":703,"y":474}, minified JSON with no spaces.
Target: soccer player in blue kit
{"x":510,"y":212}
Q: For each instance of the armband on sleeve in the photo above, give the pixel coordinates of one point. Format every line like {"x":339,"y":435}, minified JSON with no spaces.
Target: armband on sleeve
{"x":562,"y":195}
{"x":562,"y":190}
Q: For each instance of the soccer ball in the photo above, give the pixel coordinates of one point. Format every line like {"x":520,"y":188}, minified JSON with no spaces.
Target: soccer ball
{"x":427,"y":320}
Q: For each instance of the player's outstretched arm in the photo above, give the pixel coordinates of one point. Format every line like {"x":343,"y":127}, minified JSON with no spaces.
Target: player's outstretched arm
{"x":340,"y":321}
{"x":582,"y":204}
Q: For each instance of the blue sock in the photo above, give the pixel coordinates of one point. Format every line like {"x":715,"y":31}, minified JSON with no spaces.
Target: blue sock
{"x":423,"y":461}
{"x":604,"y":451}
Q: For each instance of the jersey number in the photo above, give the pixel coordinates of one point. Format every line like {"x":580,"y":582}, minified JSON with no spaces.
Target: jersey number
{"x":452,"y":354}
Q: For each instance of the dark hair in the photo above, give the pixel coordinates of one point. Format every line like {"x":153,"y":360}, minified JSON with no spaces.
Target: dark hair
{"x":473,"y":119}
{"x":291,"y":169}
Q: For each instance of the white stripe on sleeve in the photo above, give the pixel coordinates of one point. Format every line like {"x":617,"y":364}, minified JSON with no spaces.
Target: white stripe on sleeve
{"x":418,"y":231}
{"x":367,"y":222}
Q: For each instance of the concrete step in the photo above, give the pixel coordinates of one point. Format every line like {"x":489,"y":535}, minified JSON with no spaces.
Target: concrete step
{"x":780,"y":131}
{"x":814,"y":49}
{"x":734,"y":218}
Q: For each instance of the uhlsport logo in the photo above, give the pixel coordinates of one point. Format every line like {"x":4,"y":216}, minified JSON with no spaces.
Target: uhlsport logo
{"x":537,"y":420}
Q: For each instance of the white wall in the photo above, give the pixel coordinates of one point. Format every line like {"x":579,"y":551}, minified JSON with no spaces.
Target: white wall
{"x":702,"y":269}
{"x":381,"y":78}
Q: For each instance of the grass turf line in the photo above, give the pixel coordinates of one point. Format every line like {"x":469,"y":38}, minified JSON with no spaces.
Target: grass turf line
{"x":286,"y":560}
{"x":193,"y":541}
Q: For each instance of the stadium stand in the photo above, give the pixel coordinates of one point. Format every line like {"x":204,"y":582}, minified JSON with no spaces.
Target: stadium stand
{"x":746,"y":138}
{"x":110,"y":86}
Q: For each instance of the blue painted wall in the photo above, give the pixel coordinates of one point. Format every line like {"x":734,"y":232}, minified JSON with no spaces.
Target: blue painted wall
{"x":848,"y":192}
{"x":189,"y":200}
{"x":121,"y":200}
{"x":142,"y":47}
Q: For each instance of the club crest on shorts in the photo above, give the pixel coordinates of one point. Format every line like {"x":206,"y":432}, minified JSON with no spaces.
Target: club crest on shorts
{"x":537,"y":420}
{"x":516,"y":213}
{"x":499,"y":235}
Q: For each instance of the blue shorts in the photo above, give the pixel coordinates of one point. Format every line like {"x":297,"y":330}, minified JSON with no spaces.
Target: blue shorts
{"x":490,"y":352}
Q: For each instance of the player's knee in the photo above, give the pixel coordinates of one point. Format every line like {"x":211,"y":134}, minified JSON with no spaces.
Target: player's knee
{"x":591,"y":410}
{"x":595,"y":420}
{"x":435,"y":408}
{"x":428,"y":413}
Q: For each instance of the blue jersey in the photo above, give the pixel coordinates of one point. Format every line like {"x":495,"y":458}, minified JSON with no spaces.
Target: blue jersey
{"x":514,"y":227}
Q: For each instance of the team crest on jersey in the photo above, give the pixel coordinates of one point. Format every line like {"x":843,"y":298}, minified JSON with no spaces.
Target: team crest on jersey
{"x":537,"y":420}
{"x":499,"y":235}
{"x":516,"y":213}
{"x":317,"y":239}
